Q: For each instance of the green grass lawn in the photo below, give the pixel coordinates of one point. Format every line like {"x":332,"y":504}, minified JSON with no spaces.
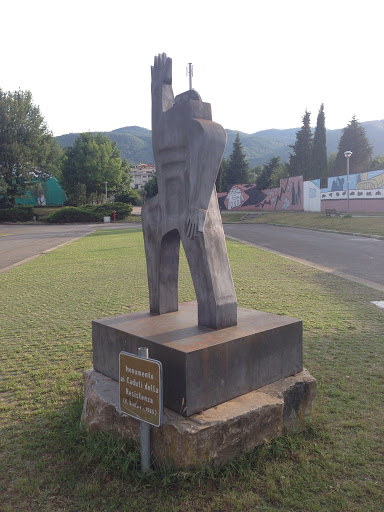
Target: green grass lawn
{"x":49,"y":464}
{"x":369,"y":225}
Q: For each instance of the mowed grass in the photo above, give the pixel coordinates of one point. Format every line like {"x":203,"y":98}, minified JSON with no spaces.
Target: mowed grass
{"x":49,"y":464}
{"x":368,"y":225}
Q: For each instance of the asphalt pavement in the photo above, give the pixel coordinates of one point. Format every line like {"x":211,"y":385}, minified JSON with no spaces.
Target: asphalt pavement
{"x":357,"y":258}
{"x":20,"y":243}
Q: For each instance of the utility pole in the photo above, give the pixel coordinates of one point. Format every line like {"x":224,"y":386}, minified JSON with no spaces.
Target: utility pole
{"x":190,"y":74}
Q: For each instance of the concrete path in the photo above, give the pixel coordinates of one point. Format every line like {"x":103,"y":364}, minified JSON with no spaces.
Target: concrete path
{"x":20,"y":243}
{"x":357,"y":258}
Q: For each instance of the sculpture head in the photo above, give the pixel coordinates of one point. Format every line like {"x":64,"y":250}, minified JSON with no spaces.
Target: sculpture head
{"x":186,"y":96}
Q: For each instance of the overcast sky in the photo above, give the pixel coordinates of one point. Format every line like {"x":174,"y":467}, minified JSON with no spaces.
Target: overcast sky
{"x":259,"y":63}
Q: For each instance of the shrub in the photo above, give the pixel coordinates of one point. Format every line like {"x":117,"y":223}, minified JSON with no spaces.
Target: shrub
{"x":106,"y":210}
{"x":71,"y":214}
{"x":89,"y":213}
{"x":16,"y":214}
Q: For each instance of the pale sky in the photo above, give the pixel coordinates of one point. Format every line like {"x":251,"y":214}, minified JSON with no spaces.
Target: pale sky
{"x":259,"y":63}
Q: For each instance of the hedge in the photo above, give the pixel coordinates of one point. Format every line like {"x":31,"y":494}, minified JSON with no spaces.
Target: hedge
{"x":89,"y":213}
{"x":17,"y":213}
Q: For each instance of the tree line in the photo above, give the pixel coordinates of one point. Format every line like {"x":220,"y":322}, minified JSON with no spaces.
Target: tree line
{"x":308,"y":157}
{"x":28,"y":152}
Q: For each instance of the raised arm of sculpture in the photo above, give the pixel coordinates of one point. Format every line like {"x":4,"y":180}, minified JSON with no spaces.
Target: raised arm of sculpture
{"x":161,"y":89}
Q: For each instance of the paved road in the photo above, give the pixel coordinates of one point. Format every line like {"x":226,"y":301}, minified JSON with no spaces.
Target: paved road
{"x":356,"y":258}
{"x":359,"y":259}
{"x":21,"y":242}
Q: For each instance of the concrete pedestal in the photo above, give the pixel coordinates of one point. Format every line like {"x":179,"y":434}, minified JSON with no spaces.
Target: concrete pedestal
{"x":203,"y":367}
{"x":215,"y":435}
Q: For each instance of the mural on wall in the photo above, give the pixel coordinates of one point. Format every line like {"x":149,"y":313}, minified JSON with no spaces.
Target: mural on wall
{"x":366,"y":194}
{"x":289,"y":196}
{"x":365,"y":189}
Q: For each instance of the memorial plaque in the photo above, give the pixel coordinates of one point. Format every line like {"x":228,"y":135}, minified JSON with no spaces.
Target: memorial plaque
{"x":141,"y":393}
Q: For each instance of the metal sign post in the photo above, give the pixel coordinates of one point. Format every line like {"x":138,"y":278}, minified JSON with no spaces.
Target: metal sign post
{"x":141,"y":395}
{"x":145,"y":439}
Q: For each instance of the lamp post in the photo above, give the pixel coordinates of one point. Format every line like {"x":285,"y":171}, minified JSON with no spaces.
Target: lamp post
{"x":106,"y":191}
{"x":347,"y":155}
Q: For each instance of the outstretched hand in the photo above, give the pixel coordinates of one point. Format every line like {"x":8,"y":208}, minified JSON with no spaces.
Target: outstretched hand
{"x":195,"y":222}
{"x":161,"y":70}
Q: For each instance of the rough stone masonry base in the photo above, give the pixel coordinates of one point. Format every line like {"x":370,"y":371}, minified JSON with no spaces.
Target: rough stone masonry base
{"x":215,"y":435}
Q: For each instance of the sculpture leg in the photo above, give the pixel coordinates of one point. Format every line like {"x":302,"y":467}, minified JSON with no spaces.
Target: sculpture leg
{"x":169,"y":272}
{"x":211,"y":274}
{"x":162,"y":255}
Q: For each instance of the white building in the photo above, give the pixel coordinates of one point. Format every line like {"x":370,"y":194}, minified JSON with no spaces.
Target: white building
{"x":141,"y":174}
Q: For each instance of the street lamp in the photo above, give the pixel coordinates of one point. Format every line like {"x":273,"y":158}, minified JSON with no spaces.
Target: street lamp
{"x":106,"y":191}
{"x":347,"y":155}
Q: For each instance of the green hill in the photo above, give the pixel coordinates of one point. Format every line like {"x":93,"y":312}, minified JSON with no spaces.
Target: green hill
{"x":135,"y":143}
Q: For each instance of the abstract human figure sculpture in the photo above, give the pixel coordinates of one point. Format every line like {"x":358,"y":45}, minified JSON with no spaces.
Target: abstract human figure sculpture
{"x":187,"y":147}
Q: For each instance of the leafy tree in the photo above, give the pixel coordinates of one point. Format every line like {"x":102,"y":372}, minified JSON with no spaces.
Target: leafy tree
{"x":319,"y":153}
{"x":377,"y":163}
{"x":300,"y":162}
{"x":237,"y":170}
{"x":91,"y":161}
{"x":353,"y":139}
{"x":279,"y":172}
{"x":79,"y":196}
{"x":131,"y":196}
{"x":124,"y":186}
{"x":255,"y":172}
{"x":271,"y":174}
{"x":151,"y":188}
{"x":27,"y":148}
{"x":37,"y":189}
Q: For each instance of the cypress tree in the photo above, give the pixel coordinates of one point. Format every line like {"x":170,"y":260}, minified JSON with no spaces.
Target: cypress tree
{"x":237,"y":170}
{"x":300,"y":162}
{"x":354,"y":139}
{"x":221,"y":177}
{"x":319,"y":154}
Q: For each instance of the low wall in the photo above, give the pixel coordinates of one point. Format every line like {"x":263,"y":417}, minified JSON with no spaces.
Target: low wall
{"x":289,"y":196}
{"x":366,"y":195}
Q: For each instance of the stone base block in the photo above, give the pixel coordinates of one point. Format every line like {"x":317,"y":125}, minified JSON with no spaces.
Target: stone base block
{"x":215,"y":435}
{"x":203,"y":367}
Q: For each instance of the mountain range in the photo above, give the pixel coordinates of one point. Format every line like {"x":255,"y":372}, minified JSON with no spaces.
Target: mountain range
{"x":135,"y":143}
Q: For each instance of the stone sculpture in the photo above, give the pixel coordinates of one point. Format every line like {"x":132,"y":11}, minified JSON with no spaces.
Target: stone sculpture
{"x":187,"y":147}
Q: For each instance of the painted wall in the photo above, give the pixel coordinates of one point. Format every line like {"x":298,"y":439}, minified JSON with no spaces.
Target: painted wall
{"x":366,"y":192}
{"x":289,"y":196}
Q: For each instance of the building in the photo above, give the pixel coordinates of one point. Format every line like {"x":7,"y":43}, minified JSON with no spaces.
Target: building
{"x":141,"y":174}
{"x":43,"y":193}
